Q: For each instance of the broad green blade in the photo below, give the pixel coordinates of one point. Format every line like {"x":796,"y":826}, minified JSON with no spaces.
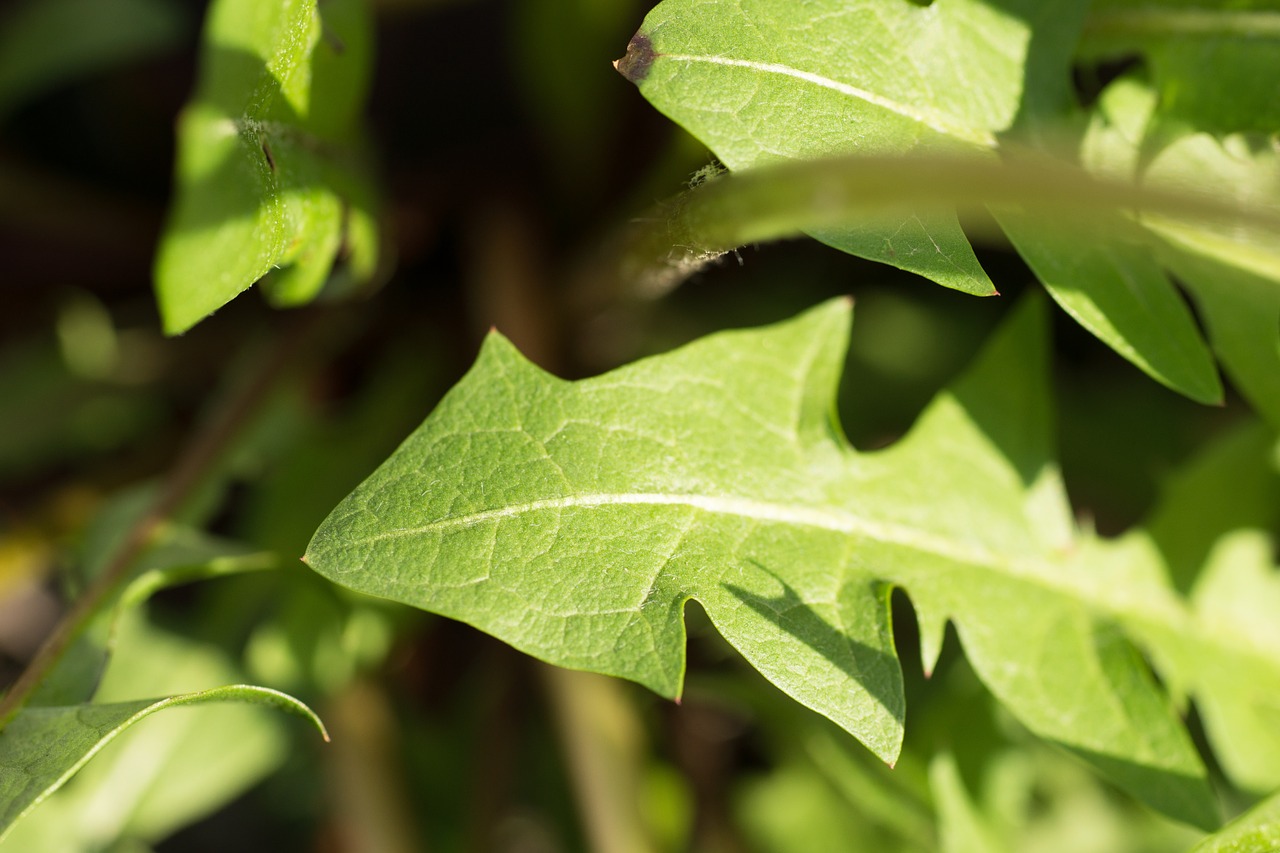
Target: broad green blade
{"x":574,"y":520}
{"x":42,"y":748}
{"x":1118,"y":292}
{"x":270,"y":173}
{"x":776,"y":80}
{"x":162,"y":776}
{"x":1238,"y":39}
{"x":589,"y":566}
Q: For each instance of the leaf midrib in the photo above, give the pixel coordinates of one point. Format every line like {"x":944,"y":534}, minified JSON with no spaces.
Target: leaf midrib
{"x":929,"y":118}
{"x":1030,"y":570}
{"x":756,"y":510}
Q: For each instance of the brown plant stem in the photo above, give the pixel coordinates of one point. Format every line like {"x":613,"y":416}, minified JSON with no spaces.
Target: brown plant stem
{"x":602,"y":740}
{"x":191,"y":466}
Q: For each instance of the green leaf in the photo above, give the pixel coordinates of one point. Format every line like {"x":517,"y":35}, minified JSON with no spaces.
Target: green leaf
{"x":178,"y":555}
{"x":775,"y":81}
{"x":1118,"y":292}
{"x":1040,"y":617}
{"x":1256,"y":830}
{"x":1242,"y":313}
{"x":1238,"y":39}
{"x":783,"y":81}
{"x":563,"y":598}
{"x":1242,"y":169}
{"x":174,"y":770}
{"x":1231,"y":661}
{"x":270,"y":173}
{"x":41,"y":748}
{"x":1233,"y":272}
{"x":573,"y":520}
{"x":1102,"y":271}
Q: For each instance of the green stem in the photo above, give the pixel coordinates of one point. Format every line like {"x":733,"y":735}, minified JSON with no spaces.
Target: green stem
{"x":692,"y":229}
{"x":1156,"y":21}
{"x":185,"y":477}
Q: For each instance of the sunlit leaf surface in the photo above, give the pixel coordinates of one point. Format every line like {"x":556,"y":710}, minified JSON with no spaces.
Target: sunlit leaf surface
{"x":43,"y":747}
{"x":574,"y":520}
{"x":769,"y":81}
{"x":269,"y":173}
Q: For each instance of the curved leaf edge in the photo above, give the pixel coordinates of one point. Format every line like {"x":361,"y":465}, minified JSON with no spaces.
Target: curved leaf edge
{"x":132,"y":712}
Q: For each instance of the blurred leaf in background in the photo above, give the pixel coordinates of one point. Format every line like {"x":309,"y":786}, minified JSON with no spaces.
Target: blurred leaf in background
{"x":271,"y":167}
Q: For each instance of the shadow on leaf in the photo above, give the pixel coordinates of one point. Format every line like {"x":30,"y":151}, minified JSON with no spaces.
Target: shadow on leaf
{"x":873,"y":668}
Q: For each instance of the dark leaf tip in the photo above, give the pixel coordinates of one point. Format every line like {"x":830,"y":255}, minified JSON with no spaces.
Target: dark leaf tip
{"x":635,"y":65}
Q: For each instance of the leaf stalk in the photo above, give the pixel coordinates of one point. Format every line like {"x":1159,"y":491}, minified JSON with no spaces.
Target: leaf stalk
{"x":685,"y":233}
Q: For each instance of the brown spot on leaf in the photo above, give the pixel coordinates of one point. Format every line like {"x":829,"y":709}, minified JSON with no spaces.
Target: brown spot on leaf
{"x":635,"y":65}
{"x":266,"y":152}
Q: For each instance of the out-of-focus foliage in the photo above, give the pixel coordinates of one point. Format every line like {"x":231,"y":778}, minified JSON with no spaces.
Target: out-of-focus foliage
{"x":270,"y":163}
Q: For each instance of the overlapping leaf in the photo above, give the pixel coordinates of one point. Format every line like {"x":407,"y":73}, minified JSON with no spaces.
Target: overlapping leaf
{"x":767,"y":81}
{"x":1238,"y":39}
{"x":1233,"y":273}
{"x":574,"y":520}
{"x":174,"y":769}
{"x":66,"y":720}
{"x":772,"y":82}
{"x":1258,"y":829}
{"x":269,"y":166}
{"x":43,"y":747}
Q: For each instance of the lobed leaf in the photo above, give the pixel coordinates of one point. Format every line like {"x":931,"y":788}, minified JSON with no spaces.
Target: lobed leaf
{"x":269,"y":173}
{"x":574,"y":520}
{"x":1232,"y":272}
{"x":781,"y":81}
{"x":1238,"y":39}
{"x":774,"y":80}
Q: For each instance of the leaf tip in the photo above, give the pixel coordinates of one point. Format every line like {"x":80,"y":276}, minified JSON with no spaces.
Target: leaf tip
{"x":638,"y":59}
{"x":173,"y":325}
